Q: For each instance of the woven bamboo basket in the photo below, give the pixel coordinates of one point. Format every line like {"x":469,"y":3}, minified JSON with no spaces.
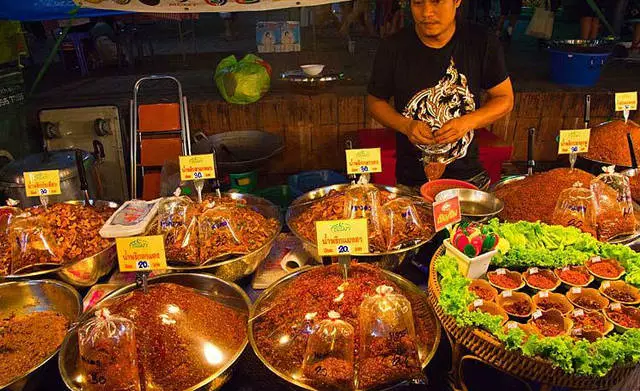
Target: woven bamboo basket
{"x":484,"y":345}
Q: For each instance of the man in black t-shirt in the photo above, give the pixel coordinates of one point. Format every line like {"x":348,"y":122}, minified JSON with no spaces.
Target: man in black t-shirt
{"x":435,"y":71}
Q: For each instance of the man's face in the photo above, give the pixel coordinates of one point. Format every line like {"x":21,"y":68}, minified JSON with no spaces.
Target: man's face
{"x":433,"y":17}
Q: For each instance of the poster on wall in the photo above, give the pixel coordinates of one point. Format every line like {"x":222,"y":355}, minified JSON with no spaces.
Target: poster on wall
{"x":278,"y":37}
{"x":192,"y":6}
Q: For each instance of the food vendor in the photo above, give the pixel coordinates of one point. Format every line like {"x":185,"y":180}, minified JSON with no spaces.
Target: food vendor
{"x":435,"y":71}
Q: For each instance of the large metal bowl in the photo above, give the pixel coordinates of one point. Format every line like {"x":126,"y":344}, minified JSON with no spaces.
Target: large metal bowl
{"x":426,"y":351}
{"x":474,"y":204}
{"x":84,"y":272}
{"x":389,"y":260}
{"x":235,"y":268}
{"x":221,"y":291}
{"x":28,"y":296}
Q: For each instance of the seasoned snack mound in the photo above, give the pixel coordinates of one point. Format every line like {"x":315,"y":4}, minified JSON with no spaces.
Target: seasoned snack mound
{"x":293,"y":313}
{"x":608,"y":142}
{"x":182,"y":337}
{"x":534,"y":198}
{"x":72,"y":229}
{"x":26,"y":340}
{"x":394,"y":222}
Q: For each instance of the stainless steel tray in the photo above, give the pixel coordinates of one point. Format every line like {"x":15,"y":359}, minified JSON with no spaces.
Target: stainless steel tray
{"x":27,"y":296}
{"x":389,"y":260}
{"x":224,"y":292}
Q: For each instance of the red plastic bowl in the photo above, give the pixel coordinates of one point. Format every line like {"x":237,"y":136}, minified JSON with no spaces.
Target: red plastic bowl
{"x":430,"y":189}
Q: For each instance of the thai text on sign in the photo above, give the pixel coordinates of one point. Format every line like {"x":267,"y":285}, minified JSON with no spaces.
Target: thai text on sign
{"x":42,"y":183}
{"x":574,"y":141}
{"x":446,"y":213}
{"x":627,"y":101}
{"x":363,"y":161}
{"x":342,"y":237}
{"x":141,"y":253}
{"x":195,"y":167}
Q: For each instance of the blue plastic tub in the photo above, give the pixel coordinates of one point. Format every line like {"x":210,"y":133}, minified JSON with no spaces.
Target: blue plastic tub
{"x":311,"y":180}
{"x":576,"y":69}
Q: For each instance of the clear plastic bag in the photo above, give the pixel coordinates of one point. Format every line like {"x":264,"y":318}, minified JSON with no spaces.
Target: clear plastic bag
{"x":219,"y":235}
{"x":614,"y":206}
{"x":363,"y":202}
{"x":576,"y":207}
{"x":328,"y":360}
{"x":7,"y":215}
{"x":401,"y":223}
{"x":107,"y":347}
{"x":389,"y":351}
{"x":177,"y":222}
{"x":32,"y":244}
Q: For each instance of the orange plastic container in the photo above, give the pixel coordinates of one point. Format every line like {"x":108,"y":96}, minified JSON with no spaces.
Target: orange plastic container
{"x":155,"y":151}
{"x":159,"y":117}
{"x":151,"y":185}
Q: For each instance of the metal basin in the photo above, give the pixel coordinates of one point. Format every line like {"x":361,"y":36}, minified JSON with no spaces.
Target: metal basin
{"x":235,"y":268}
{"x":28,"y":296}
{"x":84,"y":272}
{"x":221,"y":291}
{"x":389,"y":260}
{"x":474,"y":204}
{"x":419,"y":302}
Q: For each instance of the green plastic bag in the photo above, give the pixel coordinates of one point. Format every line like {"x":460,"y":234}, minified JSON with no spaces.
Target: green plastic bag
{"x":245,"y":81}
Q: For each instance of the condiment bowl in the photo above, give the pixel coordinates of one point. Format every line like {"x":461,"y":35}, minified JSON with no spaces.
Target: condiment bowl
{"x":429,"y":190}
{"x":483,"y":284}
{"x":579,"y":268}
{"x":575,"y":294}
{"x":608,"y":326}
{"x":630,"y":311}
{"x":589,"y":264}
{"x":589,"y":335}
{"x":528,"y":330}
{"x":474,"y":204}
{"x":607,"y":286}
{"x":489,"y":307}
{"x":508,"y":298}
{"x":511,"y":274}
{"x":527,"y":275}
{"x":553,"y":317}
{"x":312,"y":69}
{"x":558,"y":299}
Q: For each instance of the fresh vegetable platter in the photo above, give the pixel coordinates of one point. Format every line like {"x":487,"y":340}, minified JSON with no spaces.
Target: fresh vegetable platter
{"x":591,"y":350}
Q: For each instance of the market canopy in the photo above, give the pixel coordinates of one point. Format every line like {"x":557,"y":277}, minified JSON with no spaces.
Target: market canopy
{"x":193,"y":6}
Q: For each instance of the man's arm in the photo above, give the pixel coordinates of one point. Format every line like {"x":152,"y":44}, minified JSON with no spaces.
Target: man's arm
{"x":500,"y":103}
{"x":417,"y":131}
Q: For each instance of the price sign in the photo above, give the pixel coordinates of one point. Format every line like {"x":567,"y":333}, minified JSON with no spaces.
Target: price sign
{"x":574,"y":141}
{"x":342,"y":237}
{"x":363,"y":161}
{"x":544,"y":294}
{"x":627,"y":101}
{"x":195,"y":167}
{"x":141,"y":253}
{"x":42,"y":183}
{"x":446,"y":212}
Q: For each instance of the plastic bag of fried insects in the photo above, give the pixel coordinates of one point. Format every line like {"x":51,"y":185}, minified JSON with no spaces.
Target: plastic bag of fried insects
{"x":328,"y":361}
{"x":107,"y":348}
{"x":32,"y":244}
{"x":219,"y":235}
{"x":401,"y":223}
{"x":177,"y":222}
{"x":614,"y":207}
{"x":576,"y":208}
{"x":362,"y":201}
{"x":388,"y":339}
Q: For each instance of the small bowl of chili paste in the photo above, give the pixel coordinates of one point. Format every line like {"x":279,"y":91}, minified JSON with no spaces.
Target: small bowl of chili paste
{"x":605,"y":269}
{"x":550,"y":323}
{"x":590,"y":320}
{"x":587,"y":298}
{"x":620,"y":292}
{"x":623,"y":317}
{"x":490,"y":308}
{"x":545,"y":301}
{"x":483,"y":289}
{"x":574,"y":276}
{"x":505,"y":279}
{"x":516,"y":304}
{"x":541,"y":279}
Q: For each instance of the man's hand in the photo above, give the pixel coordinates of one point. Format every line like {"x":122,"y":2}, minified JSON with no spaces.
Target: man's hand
{"x":420,"y":133}
{"x":453,"y":130}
